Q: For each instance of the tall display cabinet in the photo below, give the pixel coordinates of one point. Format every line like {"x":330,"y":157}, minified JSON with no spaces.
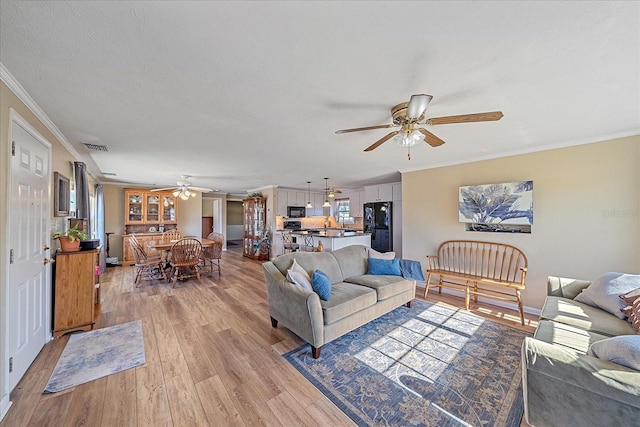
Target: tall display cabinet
{"x":255,"y":215}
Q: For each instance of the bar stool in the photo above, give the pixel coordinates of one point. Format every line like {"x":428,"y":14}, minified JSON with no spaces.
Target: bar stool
{"x":288,"y":244}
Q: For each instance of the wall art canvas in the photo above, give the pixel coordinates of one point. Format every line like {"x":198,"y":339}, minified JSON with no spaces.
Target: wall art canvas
{"x":496,"y":207}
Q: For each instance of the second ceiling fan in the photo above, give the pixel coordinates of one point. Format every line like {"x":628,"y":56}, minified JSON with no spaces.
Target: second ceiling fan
{"x":408,"y":115}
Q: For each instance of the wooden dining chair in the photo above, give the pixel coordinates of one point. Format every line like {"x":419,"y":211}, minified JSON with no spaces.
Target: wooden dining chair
{"x":151,"y":267}
{"x":170,"y":235}
{"x":185,"y":257}
{"x":212,"y":256}
{"x":147,"y":255}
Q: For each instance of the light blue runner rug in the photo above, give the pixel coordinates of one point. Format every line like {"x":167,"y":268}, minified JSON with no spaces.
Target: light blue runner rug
{"x":96,"y":354}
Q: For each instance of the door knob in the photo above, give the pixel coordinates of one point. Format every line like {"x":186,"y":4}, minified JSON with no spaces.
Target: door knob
{"x":46,"y":248}
{"x":48,"y":261}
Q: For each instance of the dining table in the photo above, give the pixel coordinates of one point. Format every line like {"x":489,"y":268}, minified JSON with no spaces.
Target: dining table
{"x":164,"y":246}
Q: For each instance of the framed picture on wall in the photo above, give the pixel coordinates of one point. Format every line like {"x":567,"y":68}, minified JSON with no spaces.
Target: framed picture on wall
{"x":61,"y":195}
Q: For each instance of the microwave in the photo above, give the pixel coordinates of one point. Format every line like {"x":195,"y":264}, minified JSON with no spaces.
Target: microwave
{"x":296,"y":211}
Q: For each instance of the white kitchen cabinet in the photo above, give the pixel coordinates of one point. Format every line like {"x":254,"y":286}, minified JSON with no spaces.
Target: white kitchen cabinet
{"x":378,"y":193}
{"x":318,"y":200}
{"x":296,"y":198}
{"x":355,"y":203}
{"x":281,"y":208}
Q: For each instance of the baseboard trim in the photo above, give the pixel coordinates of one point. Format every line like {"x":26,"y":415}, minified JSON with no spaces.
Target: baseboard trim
{"x":5,"y":404}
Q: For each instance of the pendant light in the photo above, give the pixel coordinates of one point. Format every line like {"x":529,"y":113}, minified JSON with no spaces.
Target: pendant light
{"x":309,"y":205}
{"x":326,"y":203}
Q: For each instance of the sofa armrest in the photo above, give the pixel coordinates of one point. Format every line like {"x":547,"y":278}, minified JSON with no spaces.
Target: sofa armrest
{"x":565,"y":287}
{"x":299,"y":310}
{"x":561,"y":387}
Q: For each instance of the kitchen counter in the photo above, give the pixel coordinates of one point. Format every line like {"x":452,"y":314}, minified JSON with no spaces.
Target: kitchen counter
{"x":334,"y":239}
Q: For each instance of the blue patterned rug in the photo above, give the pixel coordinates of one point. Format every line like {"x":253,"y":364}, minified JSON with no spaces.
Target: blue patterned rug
{"x":96,"y":354}
{"x":430,"y":365}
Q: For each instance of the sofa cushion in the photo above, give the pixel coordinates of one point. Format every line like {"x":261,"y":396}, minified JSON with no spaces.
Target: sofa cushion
{"x":584,"y":316}
{"x":321,"y":284}
{"x":570,"y":337}
{"x":388,"y":267}
{"x":623,"y":350}
{"x":352,"y":260}
{"x":310,"y":261}
{"x":381,"y":255}
{"x":605,"y":291}
{"x":630,"y":297}
{"x":299,"y":276}
{"x":385,"y":286}
{"x":346,"y":299}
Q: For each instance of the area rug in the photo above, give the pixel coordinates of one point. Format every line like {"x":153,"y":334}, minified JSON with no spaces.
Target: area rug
{"x":429,"y":365}
{"x":96,"y":354}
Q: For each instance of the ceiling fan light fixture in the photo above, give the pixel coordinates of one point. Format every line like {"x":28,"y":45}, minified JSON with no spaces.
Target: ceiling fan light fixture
{"x":331,"y":194}
{"x":408,"y":139}
{"x":176,"y":193}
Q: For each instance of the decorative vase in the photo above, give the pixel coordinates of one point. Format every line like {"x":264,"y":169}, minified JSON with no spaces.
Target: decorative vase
{"x":68,"y":246}
{"x":320,"y":247}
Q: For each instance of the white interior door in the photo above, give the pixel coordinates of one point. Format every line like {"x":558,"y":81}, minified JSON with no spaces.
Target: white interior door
{"x":29,"y":287}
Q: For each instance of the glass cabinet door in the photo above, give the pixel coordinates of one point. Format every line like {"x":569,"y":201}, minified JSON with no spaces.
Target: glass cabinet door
{"x":168,"y":209}
{"x":135,"y":213}
{"x":153,"y":208}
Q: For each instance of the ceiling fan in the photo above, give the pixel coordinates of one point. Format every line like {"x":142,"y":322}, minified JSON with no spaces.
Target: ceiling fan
{"x":184,"y":189}
{"x":333,"y":191}
{"x":408,"y":115}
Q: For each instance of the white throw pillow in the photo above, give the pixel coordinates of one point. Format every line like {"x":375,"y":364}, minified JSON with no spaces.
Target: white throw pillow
{"x":623,"y":350}
{"x":605,"y":291}
{"x":299,"y":276}
{"x":379,"y":255}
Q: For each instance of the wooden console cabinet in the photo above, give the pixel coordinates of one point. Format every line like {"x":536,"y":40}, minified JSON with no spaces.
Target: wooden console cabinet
{"x":76,"y":291}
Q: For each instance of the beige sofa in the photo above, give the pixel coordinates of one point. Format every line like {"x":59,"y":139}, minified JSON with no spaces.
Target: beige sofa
{"x":562,"y":384}
{"x":356,"y":297}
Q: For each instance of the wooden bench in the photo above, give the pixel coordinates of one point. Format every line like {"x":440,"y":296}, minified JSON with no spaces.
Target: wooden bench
{"x":479,"y":268}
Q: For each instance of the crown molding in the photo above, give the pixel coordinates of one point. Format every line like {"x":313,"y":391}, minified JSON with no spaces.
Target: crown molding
{"x":26,"y":99}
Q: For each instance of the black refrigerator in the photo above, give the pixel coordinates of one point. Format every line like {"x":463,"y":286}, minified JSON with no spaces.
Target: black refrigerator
{"x":377,"y":221}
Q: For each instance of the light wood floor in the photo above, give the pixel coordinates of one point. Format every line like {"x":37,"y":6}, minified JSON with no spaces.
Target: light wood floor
{"x":212,"y":359}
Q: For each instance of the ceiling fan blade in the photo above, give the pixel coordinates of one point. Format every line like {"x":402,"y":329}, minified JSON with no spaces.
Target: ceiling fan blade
{"x":430,"y":138}
{"x":417,"y":105}
{"x":466,"y":118}
{"x":163,"y":189}
{"x":201,"y":189}
{"x":381,"y":141}
{"x":366,"y":128}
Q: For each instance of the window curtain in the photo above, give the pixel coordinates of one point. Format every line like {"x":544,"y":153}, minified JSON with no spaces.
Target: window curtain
{"x":100,"y":225}
{"x":82,"y":192}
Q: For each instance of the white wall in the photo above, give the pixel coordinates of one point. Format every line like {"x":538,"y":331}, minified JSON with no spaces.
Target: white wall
{"x":190,"y":216}
{"x":586,"y":210}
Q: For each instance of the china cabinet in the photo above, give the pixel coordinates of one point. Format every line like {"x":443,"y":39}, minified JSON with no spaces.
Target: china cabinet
{"x":255,"y":228}
{"x":146,"y":207}
{"x":76,"y":292}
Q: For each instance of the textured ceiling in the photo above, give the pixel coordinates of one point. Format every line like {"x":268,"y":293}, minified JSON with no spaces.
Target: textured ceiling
{"x":242,"y":95}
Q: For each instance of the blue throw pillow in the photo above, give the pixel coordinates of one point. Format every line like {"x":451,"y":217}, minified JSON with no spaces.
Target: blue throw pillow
{"x":387,"y":267}
{"x":321,"y":284}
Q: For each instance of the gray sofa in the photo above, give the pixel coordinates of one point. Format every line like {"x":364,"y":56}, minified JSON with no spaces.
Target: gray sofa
{"x":356,"y":297}
{"x":562,"y":384}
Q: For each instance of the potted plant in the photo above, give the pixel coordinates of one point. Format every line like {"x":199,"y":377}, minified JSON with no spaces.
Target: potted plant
{"x":70,"y":239}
